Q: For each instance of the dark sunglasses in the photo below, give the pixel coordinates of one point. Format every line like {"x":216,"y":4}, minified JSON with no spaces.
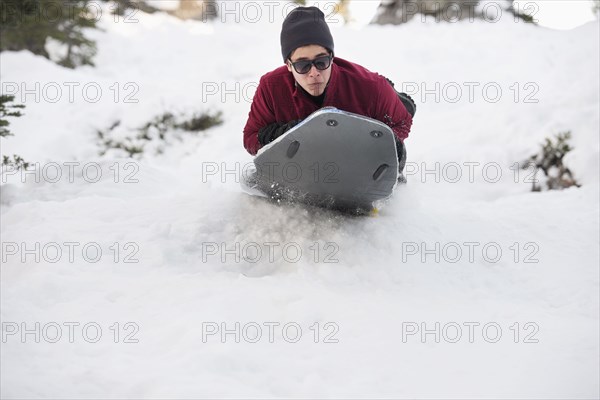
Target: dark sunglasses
{"x":320,"y":63}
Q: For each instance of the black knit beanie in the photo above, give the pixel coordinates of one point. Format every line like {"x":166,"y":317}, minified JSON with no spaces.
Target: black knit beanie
{"x":302,"y":27}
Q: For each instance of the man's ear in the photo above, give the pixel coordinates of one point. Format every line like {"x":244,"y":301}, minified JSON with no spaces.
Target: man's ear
{"x":288,"y":65}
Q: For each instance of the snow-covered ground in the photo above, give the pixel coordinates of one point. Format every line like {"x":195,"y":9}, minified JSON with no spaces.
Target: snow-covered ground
{"x":159,"y":273}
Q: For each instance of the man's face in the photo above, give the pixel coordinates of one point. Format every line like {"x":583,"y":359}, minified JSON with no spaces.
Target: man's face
{"x":315,"y":81}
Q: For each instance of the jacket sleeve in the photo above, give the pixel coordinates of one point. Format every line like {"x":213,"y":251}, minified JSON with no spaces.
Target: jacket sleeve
{"x":392,"y":111}
{"x":261,"y":114}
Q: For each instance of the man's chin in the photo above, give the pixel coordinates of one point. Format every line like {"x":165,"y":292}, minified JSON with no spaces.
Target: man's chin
{"x":315,"y":90}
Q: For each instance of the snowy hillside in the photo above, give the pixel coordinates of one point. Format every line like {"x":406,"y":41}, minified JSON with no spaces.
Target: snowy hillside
{"x":158,"y":277}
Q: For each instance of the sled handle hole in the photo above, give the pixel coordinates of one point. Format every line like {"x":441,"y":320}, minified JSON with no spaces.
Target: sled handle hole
{"x":380,"y":171}
{"x":293,"y":149}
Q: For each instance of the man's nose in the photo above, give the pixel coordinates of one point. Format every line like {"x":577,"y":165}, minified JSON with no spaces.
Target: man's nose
{"x":314,"y":71}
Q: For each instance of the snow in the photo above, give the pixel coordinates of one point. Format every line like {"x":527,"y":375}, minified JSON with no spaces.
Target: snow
{"x":368,"y":283}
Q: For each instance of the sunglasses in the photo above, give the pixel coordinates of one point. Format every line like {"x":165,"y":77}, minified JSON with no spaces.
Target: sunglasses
{"x":320,"y":63}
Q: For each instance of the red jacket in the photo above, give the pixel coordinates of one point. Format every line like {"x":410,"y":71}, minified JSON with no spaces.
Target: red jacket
{"x":351,"y":88}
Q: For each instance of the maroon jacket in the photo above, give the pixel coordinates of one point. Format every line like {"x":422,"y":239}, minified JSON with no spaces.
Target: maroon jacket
{"x":351,"y":88}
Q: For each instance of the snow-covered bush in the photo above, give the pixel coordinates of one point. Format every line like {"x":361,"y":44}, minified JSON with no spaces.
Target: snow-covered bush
{"x":550,"y":160}
{"x":156,"y":134}
{"x":8,"y":109}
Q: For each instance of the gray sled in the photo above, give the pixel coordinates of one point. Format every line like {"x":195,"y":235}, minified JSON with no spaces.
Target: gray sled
{"x":332,"y":159}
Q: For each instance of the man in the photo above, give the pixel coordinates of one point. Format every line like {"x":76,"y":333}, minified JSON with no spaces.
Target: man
{"x":312,"y":78}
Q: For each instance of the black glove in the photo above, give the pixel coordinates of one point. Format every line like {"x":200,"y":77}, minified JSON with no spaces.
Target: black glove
{"x":390,"y":82}
{"x":271,"y":132}
{"x":408,"y":102}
